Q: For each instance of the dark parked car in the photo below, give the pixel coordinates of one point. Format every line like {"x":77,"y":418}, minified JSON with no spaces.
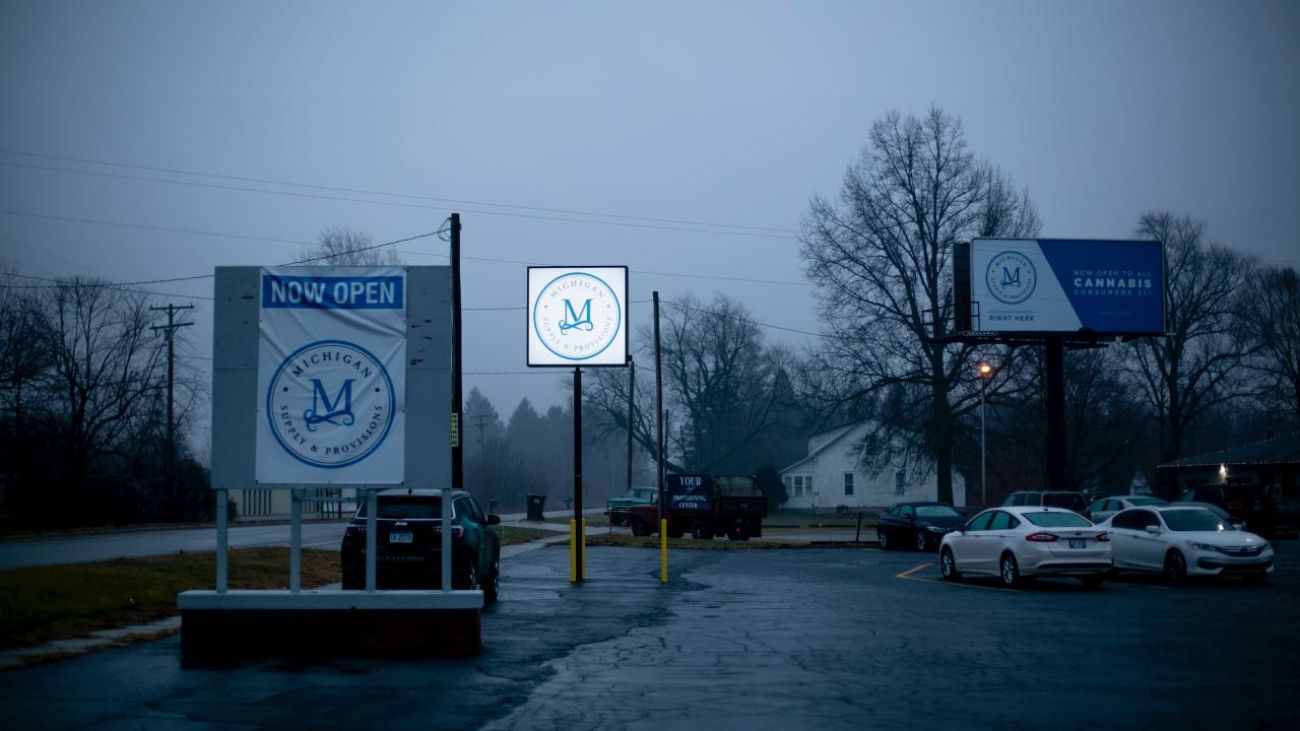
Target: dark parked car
{"x":409,"y":544}
{"x":1251,"y":503}
{"x":918,"y":525}
{"x":1049,"y":499}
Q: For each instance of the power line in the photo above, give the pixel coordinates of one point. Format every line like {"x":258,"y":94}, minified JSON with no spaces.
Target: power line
{"x":217,"y":234}
{"x":398,"y":204}
{"x":747,"y":320}
{"x":455,"y":201}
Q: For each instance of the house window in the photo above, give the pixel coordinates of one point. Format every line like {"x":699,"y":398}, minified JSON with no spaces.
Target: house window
{"x":900,"y":486}
{"x":848,"y":483}
{"x":798,"y":486}
{"x":807,"y":485}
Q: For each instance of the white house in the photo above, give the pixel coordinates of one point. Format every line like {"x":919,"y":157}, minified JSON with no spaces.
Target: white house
{"x":830,"y":476}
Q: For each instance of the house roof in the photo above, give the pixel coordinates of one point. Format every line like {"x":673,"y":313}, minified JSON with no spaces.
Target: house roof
{"x":843,"y":430}
{"x":1283,"y":450}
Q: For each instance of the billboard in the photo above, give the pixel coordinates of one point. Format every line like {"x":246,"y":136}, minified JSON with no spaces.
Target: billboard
{"x":1067,"y":286}
{"x":577,"y":316}
{"x":336,"y":376}
{"x":331,"y":374}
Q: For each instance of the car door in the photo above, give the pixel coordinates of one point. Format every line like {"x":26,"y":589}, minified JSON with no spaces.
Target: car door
{"x":1148,"y":550}
{"x":1000,"y":534}
{"x":966,"y":546}
{"x":1122,"y":538}
{"x":984,"y":547}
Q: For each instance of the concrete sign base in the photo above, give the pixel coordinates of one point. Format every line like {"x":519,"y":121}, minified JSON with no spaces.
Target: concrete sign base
{"x":329,"y":623}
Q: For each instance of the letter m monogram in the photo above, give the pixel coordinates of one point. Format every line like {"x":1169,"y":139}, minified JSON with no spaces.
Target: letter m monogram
{"x":580,"y":319}
{"x":1009,"y":278}
{"x":337,"y":411}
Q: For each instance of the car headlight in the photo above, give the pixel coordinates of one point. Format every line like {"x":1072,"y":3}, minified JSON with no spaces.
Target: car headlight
{"x":1203,"y":546}
{"x":1265,"y":546}
{"x":934,"y":529}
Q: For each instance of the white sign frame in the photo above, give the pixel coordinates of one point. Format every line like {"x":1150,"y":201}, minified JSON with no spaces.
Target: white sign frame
{"x":589,"y":328}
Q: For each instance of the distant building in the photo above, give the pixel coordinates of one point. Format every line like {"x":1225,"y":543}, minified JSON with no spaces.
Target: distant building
{"x":830,"y":476}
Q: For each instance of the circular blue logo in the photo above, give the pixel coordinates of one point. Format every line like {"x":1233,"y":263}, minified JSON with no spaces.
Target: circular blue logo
{"x":330,"y":404}
{"x":577,"y":316}
{"x":1011,"y":277}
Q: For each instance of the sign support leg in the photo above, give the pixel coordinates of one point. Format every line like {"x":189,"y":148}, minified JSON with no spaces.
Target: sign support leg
{"x":1056,"y":413}
{"x":223,"y":524}
{"x":372,"y":539}
{"x":295,"y":540}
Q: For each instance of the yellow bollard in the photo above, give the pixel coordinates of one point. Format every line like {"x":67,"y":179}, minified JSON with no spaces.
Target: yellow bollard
{"x":663,"y":550}
{"x":573,"y":554}
{"x":584,"y":548}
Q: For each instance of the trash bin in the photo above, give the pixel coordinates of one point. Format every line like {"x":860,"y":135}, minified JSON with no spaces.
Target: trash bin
{"x":536,"y":503}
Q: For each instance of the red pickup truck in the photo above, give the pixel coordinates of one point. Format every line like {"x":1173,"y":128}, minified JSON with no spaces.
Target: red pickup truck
{"x":705,"y":506}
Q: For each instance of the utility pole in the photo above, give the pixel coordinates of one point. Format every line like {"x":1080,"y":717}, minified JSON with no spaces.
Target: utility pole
{"x":659,"y":413}
{"x":457,"y":452}
{"x":170,"y":327}
{"x":631,"y":408}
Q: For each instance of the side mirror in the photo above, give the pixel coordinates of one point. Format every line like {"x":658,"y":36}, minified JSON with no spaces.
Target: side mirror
{"x":911,"y":518}
{"x":494,"y":520}
{"x":1153,"y":530}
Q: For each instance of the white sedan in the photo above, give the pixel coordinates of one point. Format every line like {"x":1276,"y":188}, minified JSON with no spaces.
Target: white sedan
{"x":1181,"y":541}
{"x":1022,"y":541}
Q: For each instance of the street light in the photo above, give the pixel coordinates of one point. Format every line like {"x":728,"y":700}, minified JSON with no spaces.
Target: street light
{"x":986,"y":372}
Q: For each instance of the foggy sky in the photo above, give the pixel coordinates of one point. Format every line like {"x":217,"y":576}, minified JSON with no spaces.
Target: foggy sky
{"x":732,"y":113}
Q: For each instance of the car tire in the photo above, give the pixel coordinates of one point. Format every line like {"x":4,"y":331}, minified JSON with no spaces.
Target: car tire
{"x":1092,"y":582}
{"x":492,"y":589}
{"x":1009,"y":570}
{"x":882,"y":536}
{"x":1175,"y":568}
{"x":948,"y":565}
{"x":470,"y":580}
{"x":922,"y":542}
{"x":639,"y":528}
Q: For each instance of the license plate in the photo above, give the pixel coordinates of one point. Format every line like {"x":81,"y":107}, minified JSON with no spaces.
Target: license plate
{"x":399,"y":537}
{"x":1078,"y":542}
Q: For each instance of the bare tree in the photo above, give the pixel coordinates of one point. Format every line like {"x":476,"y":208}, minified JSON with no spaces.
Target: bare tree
{"x":345,"y":247}
{"x":23,"y":358}
{"x":1271,"y":320}
{"x":1191,"y":369}
{"x":106,"y":363}
{"x":730,"y":395}
{"x":881,"y":259}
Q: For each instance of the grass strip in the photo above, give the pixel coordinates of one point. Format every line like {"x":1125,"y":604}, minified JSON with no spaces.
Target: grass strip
{"x":43,"y":603}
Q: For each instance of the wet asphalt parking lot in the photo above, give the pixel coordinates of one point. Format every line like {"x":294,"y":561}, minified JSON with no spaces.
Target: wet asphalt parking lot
{"x":825,"y":638}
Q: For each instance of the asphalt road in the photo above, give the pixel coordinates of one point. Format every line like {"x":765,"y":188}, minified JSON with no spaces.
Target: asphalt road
{"x":48,"y":550}
{"x":797,"y":639}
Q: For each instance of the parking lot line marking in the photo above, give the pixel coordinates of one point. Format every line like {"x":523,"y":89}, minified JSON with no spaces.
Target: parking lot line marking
{"x":908,"y":575}
{"x":911,"y":571}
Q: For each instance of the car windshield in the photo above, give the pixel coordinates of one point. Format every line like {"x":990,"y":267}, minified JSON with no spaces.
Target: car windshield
{"x":1146,"y":501}
{"x":936,"y":511}
{"x":1057,"y":520}
{"x":1196,"y":519}
{"x":407,"y":508}
{"x":1067,"y":500}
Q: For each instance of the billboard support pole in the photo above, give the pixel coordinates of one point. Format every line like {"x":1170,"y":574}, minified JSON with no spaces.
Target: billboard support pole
{"x":580,"y":536}
{"x":1056,"y":413}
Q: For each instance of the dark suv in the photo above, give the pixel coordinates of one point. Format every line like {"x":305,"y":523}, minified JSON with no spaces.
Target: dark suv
{"x":1251,"y":503}
{"x":409,"y":544}
{"x":1049,"y":498}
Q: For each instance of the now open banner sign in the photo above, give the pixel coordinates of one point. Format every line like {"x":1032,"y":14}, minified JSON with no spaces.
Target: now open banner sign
{"x":331,"y":376}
